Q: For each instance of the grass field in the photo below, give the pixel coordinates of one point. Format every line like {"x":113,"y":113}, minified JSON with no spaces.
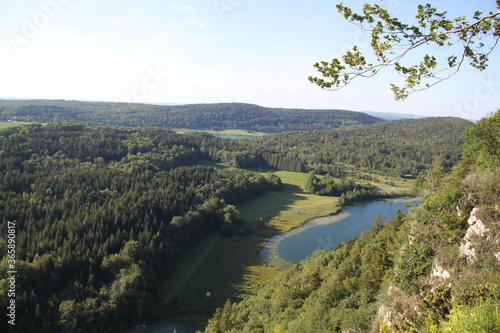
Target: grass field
{"x":288,"y":208}
{"x":5,"y":124}
{"x":225,"y":132}
{"x":213,"y":164}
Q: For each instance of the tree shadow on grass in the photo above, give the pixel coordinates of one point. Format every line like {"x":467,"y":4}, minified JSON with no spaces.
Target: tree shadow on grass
{"x":272,"y":204}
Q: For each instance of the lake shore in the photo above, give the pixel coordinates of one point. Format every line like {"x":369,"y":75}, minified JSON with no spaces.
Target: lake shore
{"x":269,"y":254}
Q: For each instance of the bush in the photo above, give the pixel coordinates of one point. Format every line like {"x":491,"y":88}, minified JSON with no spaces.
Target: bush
{"x":484,"y":318}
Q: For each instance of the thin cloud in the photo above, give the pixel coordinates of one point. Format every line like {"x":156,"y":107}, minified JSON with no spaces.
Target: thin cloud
{"x":198,"y":23}
{"x":182,"y":8}
{"x":88,"y":4}
{"x":161,"y":38}
{"x":112,"y":30}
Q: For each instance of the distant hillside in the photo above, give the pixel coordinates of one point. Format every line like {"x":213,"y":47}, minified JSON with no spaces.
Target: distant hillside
{"x":397,"y":116}
{"x":221,"y":116}
{"x":397,"y":147}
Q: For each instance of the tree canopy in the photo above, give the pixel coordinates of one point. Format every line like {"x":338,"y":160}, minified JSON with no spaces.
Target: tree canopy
{"x":392,"y":41}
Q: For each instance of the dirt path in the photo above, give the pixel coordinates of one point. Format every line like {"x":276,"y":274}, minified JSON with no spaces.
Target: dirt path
{"x":181,"y":281}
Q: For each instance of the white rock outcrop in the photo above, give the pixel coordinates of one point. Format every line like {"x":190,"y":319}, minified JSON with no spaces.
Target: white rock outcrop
{"x":440,"y":272}
{"x":476,"y":228}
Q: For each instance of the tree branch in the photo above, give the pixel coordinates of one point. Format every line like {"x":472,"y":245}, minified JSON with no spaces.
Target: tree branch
{"x":389,"y":34}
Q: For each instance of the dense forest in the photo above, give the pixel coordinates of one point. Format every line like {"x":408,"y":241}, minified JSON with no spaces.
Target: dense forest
{"x":101,"y":214}
{"x":222,"y":116}
{"x":396,"y":148}
{"x":435,"y":270}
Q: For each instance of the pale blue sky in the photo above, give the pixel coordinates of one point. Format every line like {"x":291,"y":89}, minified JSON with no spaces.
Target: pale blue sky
{"x":206,"y":51}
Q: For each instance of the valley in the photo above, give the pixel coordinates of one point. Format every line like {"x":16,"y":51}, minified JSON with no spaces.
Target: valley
{"x":176,"y":221}
{"x":205,"y":288}
{"x":234,"y":166}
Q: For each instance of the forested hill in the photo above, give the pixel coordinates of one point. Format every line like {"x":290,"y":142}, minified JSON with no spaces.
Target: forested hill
{"x":221,"y":116}
{"x":398,"y":147}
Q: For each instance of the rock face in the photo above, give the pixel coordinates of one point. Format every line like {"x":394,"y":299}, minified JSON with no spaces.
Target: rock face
{"x":476,"y":228}
{"x":440,"y":272}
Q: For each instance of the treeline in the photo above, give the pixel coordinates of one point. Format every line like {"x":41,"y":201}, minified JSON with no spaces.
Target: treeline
{"x":348,"y":190}
{"x":221,"y":116}
{"x":435,"y":270}
{"x":401,"y":148}
{"x":101,"y":214}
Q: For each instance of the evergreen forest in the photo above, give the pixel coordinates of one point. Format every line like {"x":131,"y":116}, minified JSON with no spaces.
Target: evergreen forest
{"x":101,"y":214}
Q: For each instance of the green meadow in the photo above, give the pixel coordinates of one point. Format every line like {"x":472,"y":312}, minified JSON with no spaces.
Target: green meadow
{"x":233,"y":132}
{"x":5,"y":124}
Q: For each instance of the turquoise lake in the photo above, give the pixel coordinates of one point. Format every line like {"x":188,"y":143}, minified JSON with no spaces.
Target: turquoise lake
{"x":326,"y":232}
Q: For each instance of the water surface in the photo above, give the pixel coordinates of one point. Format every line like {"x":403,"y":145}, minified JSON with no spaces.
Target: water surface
{"x":326,"y":232}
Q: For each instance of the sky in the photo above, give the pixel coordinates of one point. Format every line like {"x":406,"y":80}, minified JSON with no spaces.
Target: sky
{"x":210,"y":51}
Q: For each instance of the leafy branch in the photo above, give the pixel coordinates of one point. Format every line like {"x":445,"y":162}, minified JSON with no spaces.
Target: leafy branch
{"x":392,"y":40}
